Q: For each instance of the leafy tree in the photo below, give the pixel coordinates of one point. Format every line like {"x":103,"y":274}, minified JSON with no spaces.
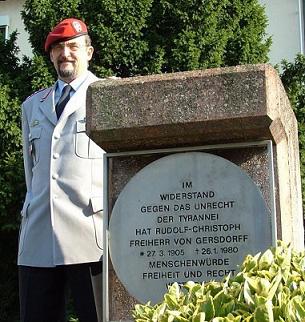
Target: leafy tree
{"x":193,"y":34}
{"x":293,"y":78}
{"x":11,"y":175}
{"x":11,"y":178}
{"x":145,"y":36}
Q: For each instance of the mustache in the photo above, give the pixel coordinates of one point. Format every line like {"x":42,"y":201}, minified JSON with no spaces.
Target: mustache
{"x":60,"y":61}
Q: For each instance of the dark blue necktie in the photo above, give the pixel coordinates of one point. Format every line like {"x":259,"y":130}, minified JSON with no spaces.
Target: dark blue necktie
{"x":64,"y":98}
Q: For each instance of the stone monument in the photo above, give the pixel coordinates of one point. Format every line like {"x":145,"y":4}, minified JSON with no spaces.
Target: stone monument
{"x":201,"y":169}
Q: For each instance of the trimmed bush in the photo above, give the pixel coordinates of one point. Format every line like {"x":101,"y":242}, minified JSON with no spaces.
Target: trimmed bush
{"x":270,"y":287}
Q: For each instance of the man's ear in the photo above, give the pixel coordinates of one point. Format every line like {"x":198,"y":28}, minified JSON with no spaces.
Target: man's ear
{"x":51,"y":56}
{"x":90,"y":51}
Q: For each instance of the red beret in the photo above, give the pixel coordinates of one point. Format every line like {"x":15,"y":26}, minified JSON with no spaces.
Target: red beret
{"x":67,"y":29}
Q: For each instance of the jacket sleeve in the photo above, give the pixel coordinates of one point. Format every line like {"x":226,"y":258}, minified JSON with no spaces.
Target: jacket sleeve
{"x":27,"y":159}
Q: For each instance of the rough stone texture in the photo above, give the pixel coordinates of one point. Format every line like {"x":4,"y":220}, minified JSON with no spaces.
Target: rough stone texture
{"x":215,"y":105}
{"x":235,"y":104}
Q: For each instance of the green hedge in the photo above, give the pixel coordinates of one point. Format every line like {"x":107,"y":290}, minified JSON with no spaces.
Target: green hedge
{"x":270,"y":287}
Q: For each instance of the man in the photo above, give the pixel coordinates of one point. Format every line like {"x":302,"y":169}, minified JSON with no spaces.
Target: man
{"x":60,"y":239}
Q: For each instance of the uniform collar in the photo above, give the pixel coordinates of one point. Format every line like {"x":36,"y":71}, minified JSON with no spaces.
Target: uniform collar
{"x":48,"y":100}
{"x":76,"y":83}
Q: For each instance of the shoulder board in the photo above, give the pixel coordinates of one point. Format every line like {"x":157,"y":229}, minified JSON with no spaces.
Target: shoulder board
{"x":43,"y":97}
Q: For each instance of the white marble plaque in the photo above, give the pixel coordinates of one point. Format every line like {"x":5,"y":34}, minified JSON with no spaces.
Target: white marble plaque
{"x":187,"y":216}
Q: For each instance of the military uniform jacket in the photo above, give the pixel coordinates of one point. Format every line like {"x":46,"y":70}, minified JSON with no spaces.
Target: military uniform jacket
{"x":62,"y":212}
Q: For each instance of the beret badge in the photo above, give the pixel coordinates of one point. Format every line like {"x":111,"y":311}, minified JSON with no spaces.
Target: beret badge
{"x":77,"y":26}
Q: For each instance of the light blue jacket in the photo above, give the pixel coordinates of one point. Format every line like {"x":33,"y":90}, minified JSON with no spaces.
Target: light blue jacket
{"x":62,"y":212}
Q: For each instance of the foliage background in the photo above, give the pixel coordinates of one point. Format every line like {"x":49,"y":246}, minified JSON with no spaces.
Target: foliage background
{"x":131,"y":37}
{"x":134,"y":37}
{"x":293,"y":78}
{"x":11,"y":176}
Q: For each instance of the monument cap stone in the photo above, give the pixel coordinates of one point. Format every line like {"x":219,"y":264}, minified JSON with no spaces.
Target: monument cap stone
{"x":233,"y":104}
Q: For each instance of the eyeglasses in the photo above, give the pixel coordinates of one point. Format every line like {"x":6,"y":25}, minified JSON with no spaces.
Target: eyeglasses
{"x":73,"y":46}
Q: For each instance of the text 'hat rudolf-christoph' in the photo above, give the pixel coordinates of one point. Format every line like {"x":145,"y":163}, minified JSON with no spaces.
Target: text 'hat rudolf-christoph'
{"x":67,"y":29}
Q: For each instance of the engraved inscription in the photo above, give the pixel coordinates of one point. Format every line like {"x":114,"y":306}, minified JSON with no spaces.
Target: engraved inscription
{"x":190,"y":216}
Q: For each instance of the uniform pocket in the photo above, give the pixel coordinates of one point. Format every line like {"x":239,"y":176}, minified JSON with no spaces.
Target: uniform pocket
{"x":97,"y":218}
{"x":34,"y":138}
{"x":96,"y":203}
{"x":24,"y":222}
{"x":25,"y":207}
{"x":22,"y":234}
{"x":84,"y":147}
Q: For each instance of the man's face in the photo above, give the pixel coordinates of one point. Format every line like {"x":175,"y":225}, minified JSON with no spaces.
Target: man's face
{"x":70,"y":58}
